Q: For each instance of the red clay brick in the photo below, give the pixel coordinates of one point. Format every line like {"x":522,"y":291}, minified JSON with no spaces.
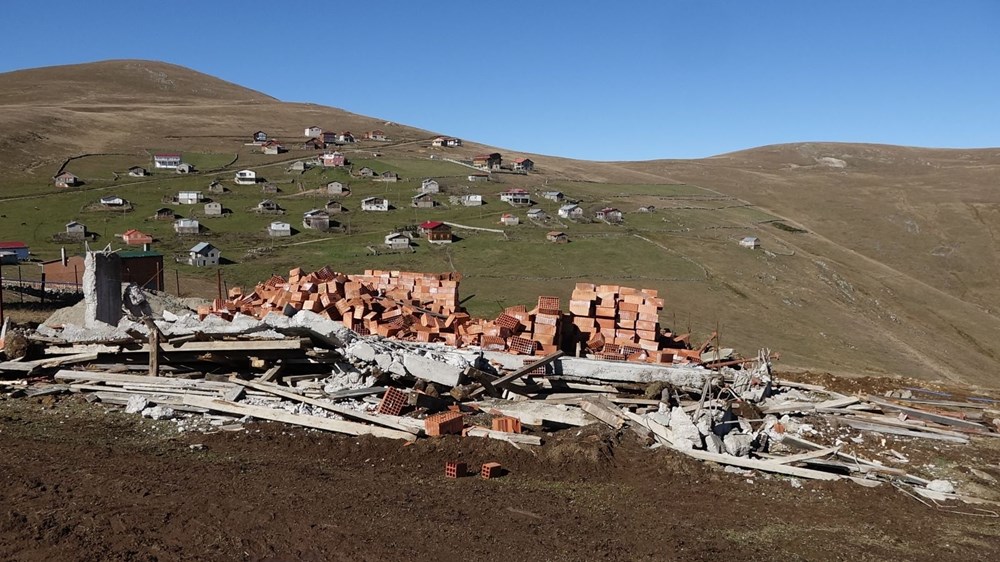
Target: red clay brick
{"x":455,"y":469}
{"x":392,"y":403}
{"x":444,"y":423}
{"x":491,"y":470}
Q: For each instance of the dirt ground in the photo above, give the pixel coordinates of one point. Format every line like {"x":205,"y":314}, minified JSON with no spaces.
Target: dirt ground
{"x":89,"y":482}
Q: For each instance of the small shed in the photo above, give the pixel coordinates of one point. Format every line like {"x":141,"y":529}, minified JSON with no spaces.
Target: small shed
{"x":164,"y":214}
{"x":76,"y":229}
{"x":268,"y":206}
{"x":138,"y":172}
{"x":316,"y":219}
{"x":134,"y":237}
{"x":423,"y":201}
{"x":269,"y":187}
{"x":751,"y":242}
{"x":557,"y":237}
{"x":204,"y":254}
{"x":189,"y":197}
{"x":185,"y":169}
{"x":259,"y":137}
{"x":366,"y":172}
{"x":213,"y":209}
{"x":508,"y":219}
{"x":279,"y":229}
{"x":430,"y":186}
{"x":66,"y":179}
{"x":374,"y":204}
{"x":333,"y":207}
{"x":556,"y":196}
{"x":472,"y":200}
{"x":336,"y":188}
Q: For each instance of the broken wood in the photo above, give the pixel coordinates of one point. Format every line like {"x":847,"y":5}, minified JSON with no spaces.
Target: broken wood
{"x":516,"y":438}
{"x":602,"y":409}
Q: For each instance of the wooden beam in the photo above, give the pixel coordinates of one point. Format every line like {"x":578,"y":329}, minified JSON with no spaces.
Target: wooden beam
{"x":936,"y":418}
{"x":515,"y":438}
{"x":534,"y":412}
{"x":326,"y":424}
{"x":377,"y":419}
{"x":808,"y":455}
{"x":868,"y":426}
{"x":602,"y":409}
{"x":755,"y":464}
{"x":504,"y":381}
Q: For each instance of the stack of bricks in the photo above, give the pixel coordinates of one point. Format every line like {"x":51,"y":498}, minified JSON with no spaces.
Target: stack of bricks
{"x":619,"y":323}
{"x":507,"y":424}
{"x":445,"y":423}
{"x":524,"y":332}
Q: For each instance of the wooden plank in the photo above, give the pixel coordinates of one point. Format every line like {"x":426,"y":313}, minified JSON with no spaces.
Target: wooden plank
{"x":602,"y":409}
{"x":355,"y":393}
{"x":533,"y":412}
{"x":808,"y":455}
{"x":812,"y":406}
{"x":755,"y":464}
{"x":515,"y":438}
{"x":377,"y":419}
{"x":119,"y":379}
{"x":890,"y":430}
{"x":326,"y":424}
{"x":504,"y":381}
{"x":29,"y":367}
{"x":247,"y":346}
{"x":662,"y":433}
{"x":921,"y":414}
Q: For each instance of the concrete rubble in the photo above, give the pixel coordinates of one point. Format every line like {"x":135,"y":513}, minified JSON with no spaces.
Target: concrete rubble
{"x":276,"y":357}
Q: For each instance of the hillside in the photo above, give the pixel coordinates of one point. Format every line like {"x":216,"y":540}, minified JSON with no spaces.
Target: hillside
{"x":874,"y":259}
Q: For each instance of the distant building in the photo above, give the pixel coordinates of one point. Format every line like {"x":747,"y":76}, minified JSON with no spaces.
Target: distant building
{"x":397,"y":241}
{"x":189,"y":197}
{"x":508,"y":219}
{"x":345,"y":137}
{"x":259,"y":137}
{"x":489,"y":162}
{"x":374,"y":204}
{"x":557,"y":237}
{"x":388,"y":176}
{"x":183,"y":168}
{"x":316,"y":219}
{"x":333,"y":207}
{"x":446,"y":142}
{"x":187,"y":226}
{"x":137,"y":171}
{"x":430,"y":186}
{"x":273,"y":147}
{"x":167,"y":160}
{"x":570,"y":211}
{"x":213,"y":209}
{"x":66,"y":179}
{"x":279,"y":229}
{"x":269,"y":187}
{"x":609,"y":214}
{"x":314,"y":144}
{"x":112,"y":201}
{"x":246,"y":177}
{"x":335,"y":188}
{"x":313,"y":132}
{"x":268,"y":206}
{"x":164,"y":214}
{"x":751,"y":242}
{"x":423,"y":201}
{"x":133,"y":237}
{"x":332,"y":160}
{"x":204,"y":254}
{"x":376,"y":135}
{"x":436,"y":232}
{"x":523,"y":165}
{"x":13,"y":252}
{"x":472,"y":200}
{"x":479,"y":177}
{"x":647,"y":209}
{"x":516,"y":197}
{"x":556,"y":196}
{"x":76,"y":230}
{"x":366,"y":172}
{"x":536,"y":214}
{"x":216,"y":187}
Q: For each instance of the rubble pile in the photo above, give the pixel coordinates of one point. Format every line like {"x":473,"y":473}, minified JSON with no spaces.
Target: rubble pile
{"x":609,"y":322}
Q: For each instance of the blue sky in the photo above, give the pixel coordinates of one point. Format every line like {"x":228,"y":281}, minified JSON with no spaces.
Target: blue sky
{"x":622,"y":80}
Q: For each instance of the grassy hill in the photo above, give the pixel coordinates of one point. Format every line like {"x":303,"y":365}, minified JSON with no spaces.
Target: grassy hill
{"x":875,"y":259}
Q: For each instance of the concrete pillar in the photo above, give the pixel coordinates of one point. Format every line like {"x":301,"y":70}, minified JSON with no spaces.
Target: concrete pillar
{"x":102,"y":289}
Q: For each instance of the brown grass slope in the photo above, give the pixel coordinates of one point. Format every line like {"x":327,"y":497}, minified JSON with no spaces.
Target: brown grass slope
{"x":895,"y":275}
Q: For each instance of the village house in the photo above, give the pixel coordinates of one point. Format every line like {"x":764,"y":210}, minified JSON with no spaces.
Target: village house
{"x":138,"y":172}
{"x":332,"y":160}
{"x":388,"y":176}
{"x":187,"y":226}
{"x":333,"y":207}
{"x":436,"y":232}
{"x":522,"y":165}
{"x":508,"y":219}
{"x":133,"y":237}
{"x":557,"y":237}
{"x":490,"y":162}
{"x":216,"y":187}
{"x":189,"y":197}
{"x":273,"y":147}
{"x":345,"y":137}
{"x":536,"y":214}
{"x":472,"y":200}
{"x":609,"y":215}
{"x":268,"y":206}
{"x":430,"y":186}
{"x":516,"y":196}
{"x":314,"y":144}
{"x":366,"y":172}
{"x":112,"y":201}
{"x":259,"y":137}
{"x":316,"y":219}
{"x":556,"y":196}
{"x":376,"y":135}
{"x":313,"y":132}
{"x":12,"y":252}
{"x":66,"y":179}
{"x":76,"y":230}
{"x":300,"y":165}
{"x":397,"y":241}
{"x":751,"y":242}
{"x":647,"y":209}
{"x":167,"y":160}
{"x":245,"y":177}
{"x":213,"y":209}
{"x":374,"y":204}
{"x":142,"y":267}
{"x":269,"y":187}
{"x":446,"y":142}
{"x":570,"y":211}
{"x":183,"y":168}
{"x":328,"y":137}
{"x":279,"y":229}
{"x":164,"y":214}
{"x":335,"y":188}
{"x":479,"y":177}
{"x":423,"y":201}
{"x":204,"y":254}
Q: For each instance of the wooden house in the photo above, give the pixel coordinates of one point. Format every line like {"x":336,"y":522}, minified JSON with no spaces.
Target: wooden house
{"x":557,"y":237}
{"x":490,"y":162}
{"x":556,"y":196}
{"x":423,"y":201}
{"x":333,"y":207}
{"x":345,"y":137}
{"x":328,"y":137}
{"x":522,"y":165}
{"x":268,"y":206}
{"x":314,"y":144}
{"x":316,"y":219}
{"x":204,"y":254}
{"x":436,"y":232}
{"x":164,"y":214}
{"x":66,"y":179}
{"x":388,"y":176}
{"x":366,"y":172}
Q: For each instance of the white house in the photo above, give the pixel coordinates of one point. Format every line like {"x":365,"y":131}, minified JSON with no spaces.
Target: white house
{"x":313,"y":132}
{"x":183,"y":168}
{"x":516,"y":197}
{"x":374,"y":204}
{"x":246,"y":177}
{"x":571,"y":211}
{"x":112,"y":201}
{"x":556,"y":196}
{"x":430,"y":186}
{"x":508,"y":219}
{"x":137,"y":171}
{"x":186,"y":226}
{"x":203,"y":254}
{"x":751,"y":242}
{"x":479,"y":177}
{"x":189,"y":197}
{"x":167,"y":160}
{"x":472,"y":200}
{"x":397,"y":241}
{"x":278,"y":229}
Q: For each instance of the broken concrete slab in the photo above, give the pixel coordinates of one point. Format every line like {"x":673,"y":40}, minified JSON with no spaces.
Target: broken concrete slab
{"x":432,"y":370}
{"x":537,"y":413}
